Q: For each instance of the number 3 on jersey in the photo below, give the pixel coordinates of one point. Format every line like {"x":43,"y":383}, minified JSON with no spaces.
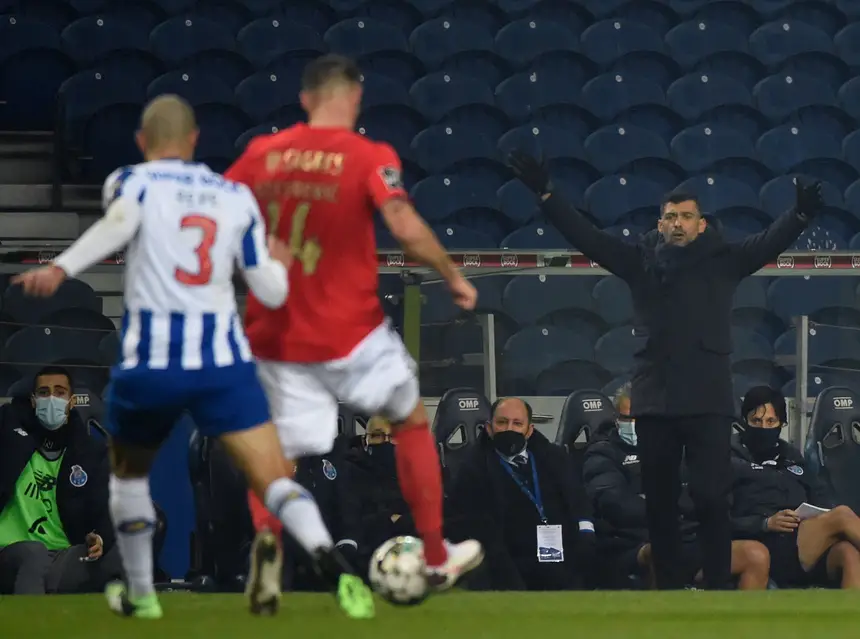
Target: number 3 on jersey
{"x":204,"y":273}
{"x":307,"y":252}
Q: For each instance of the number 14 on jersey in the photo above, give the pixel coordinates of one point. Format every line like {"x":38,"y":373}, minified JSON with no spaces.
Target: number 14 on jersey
{"x":306,"y":250}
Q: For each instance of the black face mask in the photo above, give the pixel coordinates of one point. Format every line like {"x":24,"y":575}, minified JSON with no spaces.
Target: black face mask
{"x":760,"y":440}
{"x":509,"y":442}
{"x":382,"y":455}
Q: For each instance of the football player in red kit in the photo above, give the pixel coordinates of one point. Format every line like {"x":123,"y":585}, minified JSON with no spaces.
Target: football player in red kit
{"x":320,"y":184}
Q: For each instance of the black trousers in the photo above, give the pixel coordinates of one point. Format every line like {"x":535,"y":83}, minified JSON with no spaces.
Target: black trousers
{"x":662,"y":444}
{"x":28,"y":568}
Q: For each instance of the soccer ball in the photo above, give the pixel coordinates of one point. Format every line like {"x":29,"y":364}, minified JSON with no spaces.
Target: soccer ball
{"x":397,"y":571}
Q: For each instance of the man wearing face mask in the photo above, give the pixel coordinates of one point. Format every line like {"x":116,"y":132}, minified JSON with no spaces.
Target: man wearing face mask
{"x":374,"y":504}
{"x":55,"y":530}
{"x":522,"y":498}
{"x":613,"y":481}
{"x":771,"y":482}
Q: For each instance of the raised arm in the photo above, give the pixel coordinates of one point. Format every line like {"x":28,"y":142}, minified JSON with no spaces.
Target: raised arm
{"x":762,"y":248}
{"x":613,"y":254}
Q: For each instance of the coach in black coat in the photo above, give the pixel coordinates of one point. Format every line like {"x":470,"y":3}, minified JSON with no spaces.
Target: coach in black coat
{"x":682,"y":279}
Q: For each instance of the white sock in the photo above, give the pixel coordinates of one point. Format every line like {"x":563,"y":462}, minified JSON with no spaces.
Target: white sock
{"x":134,"y":521}
{"x":299,"y":513}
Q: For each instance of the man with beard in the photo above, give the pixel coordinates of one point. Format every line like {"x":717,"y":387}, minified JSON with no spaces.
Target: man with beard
{"x":682,"y":278}
{"x":522,"y":497}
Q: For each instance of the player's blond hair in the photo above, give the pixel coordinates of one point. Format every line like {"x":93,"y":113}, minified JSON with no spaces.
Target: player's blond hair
{"x":168,"y":119}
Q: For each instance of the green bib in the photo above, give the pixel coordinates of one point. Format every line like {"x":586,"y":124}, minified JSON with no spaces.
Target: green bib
{"x":31,"y":514}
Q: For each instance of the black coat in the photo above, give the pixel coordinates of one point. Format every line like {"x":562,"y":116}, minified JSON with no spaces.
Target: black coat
{"x":484,"y":503}
{"x":761,"y":490}
{"x":682,"y":298}
{"x":82,"y":509}
{"x":613,"y":481}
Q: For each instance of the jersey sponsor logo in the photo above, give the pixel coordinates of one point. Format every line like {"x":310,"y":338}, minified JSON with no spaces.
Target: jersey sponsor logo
{"x":797,"y":470}
{"x":843,"y":403}
{"x":21,"y":432}
{"x":391,"y":177}
{"x":630,"y":459}
{"x":468,"y":403}
{"x":591,"y":405}
{"x":78,"y":477}
{"x":329,"y":471}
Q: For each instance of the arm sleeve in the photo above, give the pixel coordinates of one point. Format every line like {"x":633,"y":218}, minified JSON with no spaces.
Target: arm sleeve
{"x":745,"y":522}
{"x":385,"y":178}
{"x":123,"y":195}
{"x":613,"y":254}
{"x":611,"y":493}
{"x":267,"y":278}
{"x":764,"y":247}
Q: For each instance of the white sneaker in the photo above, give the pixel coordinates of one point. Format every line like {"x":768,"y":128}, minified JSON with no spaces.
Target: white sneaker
{"x":462,"y":558}
{"x":264,"y":583}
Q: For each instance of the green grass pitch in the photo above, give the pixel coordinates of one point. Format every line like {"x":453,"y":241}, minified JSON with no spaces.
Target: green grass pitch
{"x":810,"y":614}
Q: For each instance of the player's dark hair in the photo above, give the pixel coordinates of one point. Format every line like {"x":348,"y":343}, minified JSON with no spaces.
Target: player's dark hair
{"x":676,"y":197}
{"x":759,"y":396}
{"x":498,"y":402}
{"x":330,"y":68}
{"x":52,"y":370}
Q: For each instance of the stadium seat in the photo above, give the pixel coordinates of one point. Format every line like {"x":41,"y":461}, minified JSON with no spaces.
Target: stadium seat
{"x":355,"y":37}
{"x":606,"y":41}
{"x":615,"y":198}
{"x":536,"y":236}
{"x":458,"y":238}
{"x":396,"y":125}
{"x":195,"y":89}
{"x":485,"y":15}
{"x":613,"y":301}
{"x":397,"y":13}
{"x":536,"y":348}
{"x":789,"y":297}
{"x":437,"y":148}
{"x":143,"y":13}
{"x":847,"y":43}
{"x":436,"y":40}
{"x":57,"y":13}
{"x":382,"y":91}
{"x":549,"y":142}
{"x":563,"y":378}
{"x":773,"y":43}
{"x":819,"y":14}
{"x":485,"y":66}
{"x":233,"y":14}
{"x":752,"y":353}
{"x":560,"y":301}
{"x":615,"y":350}
{"x":719,"y":195}
{"x":585,"y":415}
{"x":699,"y":147}
{"x":656,"y":15}
{"x":31,"y":310}
{"x":608,"y":95}
{"x":460,"y":416}
{"x":221,"y":124}
{"x":742,"y":67}
{"x":314,"y":13}
{"x":266,"y":93}
{"x":695,"y":94}
{"x":778,"y":195}
{"x":30,"y":49}
{"x":517,"y":202}
{"x":440,"y":196}
{"x":612,"y":147}
{"x":98,"y":40}
{"x":524,"y":95}
{"x":524,"y":40}
{"x":738,"y":14}
{"x":691,"y":41}
{"x":268,"y":40}
{"x":437,"y":94}
{"x":789,"y":148}
{"x":778,"y":96}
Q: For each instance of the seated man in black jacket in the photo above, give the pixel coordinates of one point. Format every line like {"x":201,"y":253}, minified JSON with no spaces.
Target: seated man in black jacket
{"x":55,"y":530}
{"x":522,"y":498}
{"x":771,"y":482}
{"x":613,"y":482}
{"x":374,"y":505}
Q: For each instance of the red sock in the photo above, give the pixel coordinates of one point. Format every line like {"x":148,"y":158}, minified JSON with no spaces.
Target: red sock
{"x":420,"y":477}
{"x":261,"y":516}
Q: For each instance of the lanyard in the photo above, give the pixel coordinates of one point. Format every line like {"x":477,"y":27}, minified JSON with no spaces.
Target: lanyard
{"x":535,"y":497}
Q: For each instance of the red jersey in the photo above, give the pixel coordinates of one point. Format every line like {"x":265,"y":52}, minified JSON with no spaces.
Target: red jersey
{"x":318,"y":189}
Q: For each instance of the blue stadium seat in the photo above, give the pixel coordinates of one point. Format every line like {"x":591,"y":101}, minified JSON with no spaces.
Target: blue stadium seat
{"x":751,"y":293}
{"x":823,"y":66}
{"x":438,"y":39}
{"x":30,"y":49}
{"x":614,"y":351}
{"x":517,"y":202}
{"x":691,"y":41}
{"x":442,"y":196}
{"x":849,"y":8}
{"x":398,"y":13}
{"x":816,"y":13}
{"x":608,"y":40}
{"x":221,"y":124}
{"x":395,"y":124}
{"x":267,"y":40}
{"x":383,"y":91}
{"x":266,"y":93}
{"x":652,"y":13}
{"x":231,"y":13}
{"x":437,"y":94}
{"x":852,"y":199}
{"x":571,"y":15}
{"x":742,"y":67}
{"x":143,"y":13}
{"x":789,"y":297}
{"x":779,"y":95}
{"x":195,"y":89}
{"x":314,"y":13}
{"x":458,"y":238}
{"x":571,"y":177}
{"x":92,"y":39}
{"x":360,"y":36}
{"x":31,"y":310}
{"x":524,"y":95}
{"x":261,"y":129}
{"x":523,"y":40}
{"x":829,"y":121}
{"x":560,"y":301}
{"x":701,"y":146}
{"x":726,"y":198}
{"x":847,"y":43}
{"x":532,"y":350}
{"x":612,"y":147}
{"x":199,"y":45}
{"x":608,"y":95}
{"x":791,"y":148}
{"x":438,"y":148}
{"x":565,"y":67}
{"x":612,"y":301}
{"x":57,"y":13}
{"x":110,"y":348}
{"x":752,"y":353}
{"x":819,"y":238}
{"x":773,"y":43}
{"x":778,"y":195}
{"x":548,"y":142}
{"x":535,"y":236}
{"x":485,"y":66}
{"x":628,"y":233}
{"x":694,"y":94}
{"x":174,"y":7}
{"x":616,"y":198}
{"x":849,"y":97}
{"x":738,"y":14}
{"x":9,"y":376}
{"x":482,"y":14}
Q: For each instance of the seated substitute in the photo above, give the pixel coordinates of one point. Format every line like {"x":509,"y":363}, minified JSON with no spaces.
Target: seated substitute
{"x":613,"y":482}
{"x":56,"y":534}
{"x":808,"y":547}
{"x":522,"y":498}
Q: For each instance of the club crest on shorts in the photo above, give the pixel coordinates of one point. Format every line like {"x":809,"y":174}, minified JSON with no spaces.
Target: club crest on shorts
{"x":329,"y":470}
{"x":78,"y":477}
{"x":797,"y":470}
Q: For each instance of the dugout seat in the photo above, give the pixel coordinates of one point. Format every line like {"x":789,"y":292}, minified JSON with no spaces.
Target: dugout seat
{"x":585,"y":414}
{"x":833,"y":443}
{"x":460,"y":415}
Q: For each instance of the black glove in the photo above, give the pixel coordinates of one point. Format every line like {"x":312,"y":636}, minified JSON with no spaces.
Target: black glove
{"x":808,"y":200}
{"x":530,"y":171}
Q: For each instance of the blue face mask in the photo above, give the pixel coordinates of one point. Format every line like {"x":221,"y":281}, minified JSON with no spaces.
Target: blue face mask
{"x":51,"y":411}
{"x":627,"y":431}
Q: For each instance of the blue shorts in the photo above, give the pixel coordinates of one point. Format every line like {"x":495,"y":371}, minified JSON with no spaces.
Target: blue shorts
{"x":143,"y":405}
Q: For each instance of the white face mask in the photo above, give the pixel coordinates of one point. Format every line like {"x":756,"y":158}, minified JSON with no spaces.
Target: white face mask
{"x":627,"y":431}
{"x":51,"y":411}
